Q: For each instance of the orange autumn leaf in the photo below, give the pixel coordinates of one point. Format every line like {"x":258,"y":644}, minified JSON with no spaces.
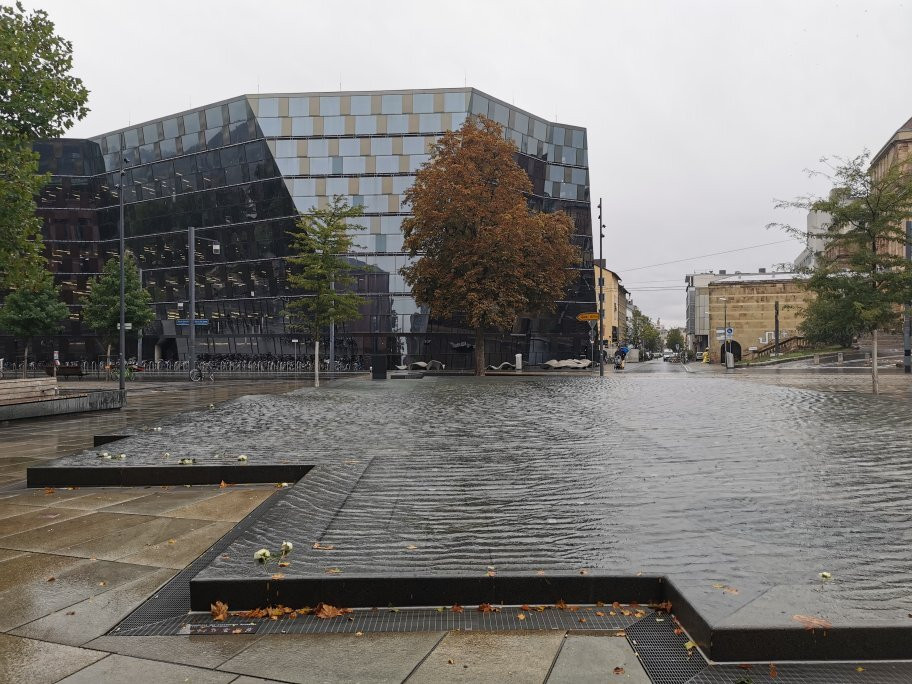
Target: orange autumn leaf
{"x":525,"y":607}
{"x":325,"y":611}
{"x":219,"y":611}
{"x":664,"y":607}
{"x":615,"y":605}
{"x":582,"y":620}
{"x":618,"y":670}
{"x":599,"y":613}
{"x":773,"y":671}
{"x":520,"y":616}
{"x":488,"y":608}
{"x":809,"y":622}
{"x":278,"y":576}
{"x":457,"y":608}
{"x":561,"y":605}
{"x":322,"y":547}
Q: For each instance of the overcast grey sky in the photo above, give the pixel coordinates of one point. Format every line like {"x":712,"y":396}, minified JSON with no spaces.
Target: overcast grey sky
{"x":700,"y":114}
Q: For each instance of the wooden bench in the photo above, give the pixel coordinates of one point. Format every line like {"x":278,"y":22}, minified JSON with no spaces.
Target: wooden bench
{"x":21,"y":391}
{"x":65,"y":371}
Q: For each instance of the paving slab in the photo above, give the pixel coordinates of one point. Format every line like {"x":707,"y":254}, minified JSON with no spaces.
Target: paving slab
{"x":232,"y":505}
{"x":162,"y":501}
{"x":37,"y":518}
{"x":96,"y":500}
{"x":595,"y":659}
{"x":118,"y":668}
{"x":200,"y":651}
{"x":335,"y":658}
{"x":135,"y":539}
{"x":81,"y":622}
{"x":24,"y":569}
{"x":71,"y":532}
{"x":183,"y":550}
{"x":490,"y":657}
{"x":40,"y":662}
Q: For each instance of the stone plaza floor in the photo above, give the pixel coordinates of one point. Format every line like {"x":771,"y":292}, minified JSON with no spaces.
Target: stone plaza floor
{"x":741,"y":492}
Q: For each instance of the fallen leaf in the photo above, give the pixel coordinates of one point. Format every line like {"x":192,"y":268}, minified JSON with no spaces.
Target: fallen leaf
{"x":599,"y":613}
{"x":333,"y":571}
{"x":441,"y":609}
{"x":451,"y":662}
{"x":525,"y":607}
{"x":542,"y":572}
{"x":411,"y":547}
{"x":457,"y":608}
{"x":306,"y":610}
{"x":811,"y":623}
{"x":618,"y":670}
{"x":600,"y":604}
{"x":224,"y":484}
{"x":690,"y":645}
{"x":584,"y":572}
{"x":255,"y":613}
{"x":278,"y":576}
{"x":102,"y":584}
{"x":48,"y":490}
{"x":521,"y":616}
{"x":51,"y":579}
{"x":664,"y":607}
{"x":171,"y":541}
{"x":634,"y":604}
{"x":322,"y":547}
{"x":219,"y":611}
{"x":745,"y":666}
{"x":284,"y":564}
{"x":622,"y":633}
{"x":561,"y":605}
{"x":491,"y":573}
{"x":678,"y":630}
{"x":616,"y":605}
{"x":359,"y":633}
{"x":859,"y":669}
{"x":773,"y":671}
{"x":488,"y":608}
{"x":71,"y":612}
{"x":582,"y":620}
{"x":324,"y":611}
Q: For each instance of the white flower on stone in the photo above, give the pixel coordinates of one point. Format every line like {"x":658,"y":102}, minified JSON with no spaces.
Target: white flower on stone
{"x":286,"y":547}
{"x":167,"y":454}
{"x":186,"y":461}
{"x":157,"y":429}
{"x":121,"y":456}
{"x":242,"y":457}
{"x":106,"y":455}
{"x":262,"y":555}
{"x":282,"y":485}
{"x":825,"y":576}
{"x":212,"y":406}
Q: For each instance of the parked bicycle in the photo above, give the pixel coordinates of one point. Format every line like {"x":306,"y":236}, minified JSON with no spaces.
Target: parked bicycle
{"x":202,"y":370}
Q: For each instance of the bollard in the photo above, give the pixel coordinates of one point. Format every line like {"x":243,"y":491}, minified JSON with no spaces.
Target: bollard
{"x":378,"y":367}
{"x":839,"y":357}
{"x":816,"y":359}
{"x":519,"y":362}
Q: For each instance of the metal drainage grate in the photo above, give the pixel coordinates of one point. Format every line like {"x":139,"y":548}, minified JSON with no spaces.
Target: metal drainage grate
{"x":808,"y":673}
{"x":662,"y":652}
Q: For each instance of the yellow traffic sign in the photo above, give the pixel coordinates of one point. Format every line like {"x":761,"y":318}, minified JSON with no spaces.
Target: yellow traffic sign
{"x":589,"y":316}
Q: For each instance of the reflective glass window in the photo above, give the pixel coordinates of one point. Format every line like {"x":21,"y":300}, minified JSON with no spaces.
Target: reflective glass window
{"x":356,"y":201}
{"x":391,"y":104}
{"x":214,"y":137}
{"x":269,"y":106}
{"x":379,"y":243}
{"x":454,"y":102}
{"x":336,"y":186}
{"x":169,"y":127}
{"x":305,"y":186}
{"x":190,"y":143}
{"x":381,"y":146}
{"x":370,"y":185}
{"x":578,"y":176}
{"x":479,"y":105}
{"x":549,"y":188}
{"x":255,"y":151}
{"x":330,"y":106}
{"x":320,"y":166}
{"x":422,"y":103}
{"x":568,"y":155}
{"x":318,"y":148}
{"x":235,"y":174}
{"x":214,"y":117}
{"x":288,"y":166}
{"x":207,"y":161}
{"x":416,"y":160}
{"x":113,"y":142}
{"x":231,"y":156}
{"x":350,"y":147}
{"x":302,"y":125}
{"x":391,"y":225}
{"x":239,"y":131}
{"x":286,"y":148}
{"x":568,"y":191}
{"x":402,"y":183}
{"x":499,"y":113}
{"x":306,"y":204}
{"x":237,"y":110}
{"x":429,"y":123}
{"x":555,"y":173}
{"x":365,"y":125}
{"x":360,"y":104}
{"x":387,"y":164}
{"x":557,"y":135}
{"x":334,"y":125}
{"x":353,"y":164}
{"x":336,"y":164}
{"x":375,"y":203}
{"x":531,"y":146}
{"x":185,"y":166}
{"x":191,"y":123}
{"x":168,"y":147}
{"x":540,"y":131}
{"x":521,"y":122}
{"x":578,"y":139}
{"x":413,"y":145}
{"x":150,"y":134}
{"x":147,"y":153}
{"x":457,"y":120}
{"x":131,"y":137}
{"x":271,"y":127}
{"x":298,"y":106}
{"x":397,"y":123}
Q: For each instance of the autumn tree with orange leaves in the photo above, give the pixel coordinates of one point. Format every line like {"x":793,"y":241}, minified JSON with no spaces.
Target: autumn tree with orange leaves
{"x":482,"y":252}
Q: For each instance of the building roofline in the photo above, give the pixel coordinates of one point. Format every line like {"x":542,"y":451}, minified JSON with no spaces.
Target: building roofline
{"x":906,"y":127}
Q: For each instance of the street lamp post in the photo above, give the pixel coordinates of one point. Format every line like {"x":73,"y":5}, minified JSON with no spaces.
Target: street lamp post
{"x":191,"y":286}
{"x":601,"y":294}
{"x":123,"y":309}
{"x":726,"y":347}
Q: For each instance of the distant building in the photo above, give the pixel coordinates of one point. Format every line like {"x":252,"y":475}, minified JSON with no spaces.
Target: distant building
{"x":625,"y":313}
{"x":817,"y":223}
{"x":696,"y":328}
{"x":746,"y":303}
{"x":612,"y":322}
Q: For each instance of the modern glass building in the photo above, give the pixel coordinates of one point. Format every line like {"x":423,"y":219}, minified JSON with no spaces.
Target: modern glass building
{"x":239,"y":171}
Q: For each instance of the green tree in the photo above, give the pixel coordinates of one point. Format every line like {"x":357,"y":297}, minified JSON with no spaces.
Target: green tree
{"x":642,"y":332}
{"x":40,"y":99}
{"x":320,"y":272}
{"x":481,"y":251}
{"x":832,"y":317}
{"x":675,"y":339}
{"x":101,"y":307}
{"x":864,"y":263}
{"x":32,"y":309}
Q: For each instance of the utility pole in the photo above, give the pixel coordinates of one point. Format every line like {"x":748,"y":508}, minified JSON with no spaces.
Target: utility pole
{"x":776,"y":344}
{"x":123,"y":309}
{"x":601,"y":294}
{"x":332,"y":331}
{"x":139,"y":332}
{"x":191,"y":290}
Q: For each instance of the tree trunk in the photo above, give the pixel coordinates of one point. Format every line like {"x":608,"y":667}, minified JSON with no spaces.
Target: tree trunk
{"x":316,"y":363}
{"x":874,"y":381}
{"x":25,"y":361}
{"x":479,"y":351}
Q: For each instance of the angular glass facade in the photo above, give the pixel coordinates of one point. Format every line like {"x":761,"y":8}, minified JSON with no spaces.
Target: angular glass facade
{"x":240,"y":170}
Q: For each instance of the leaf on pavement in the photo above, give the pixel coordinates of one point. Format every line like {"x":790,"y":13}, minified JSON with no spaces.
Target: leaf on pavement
{"x":325,"y":611}
{"x":333,"y":571}
{"x":278,"y":576}
{"x":457,"y":608}
{"x":520,"y":616}
{"x":322,"y":547}
{"x":561,"y":605}
{"x":619,"y":670}
{"x":219,"y":611}
{"x":488,"y":608}
{"x":773,"y":671}
{"x":690,"y":645}
{"x":810,"y":623}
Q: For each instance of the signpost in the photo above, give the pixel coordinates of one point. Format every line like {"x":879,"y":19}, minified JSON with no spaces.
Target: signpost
{"x":589,"y":316}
